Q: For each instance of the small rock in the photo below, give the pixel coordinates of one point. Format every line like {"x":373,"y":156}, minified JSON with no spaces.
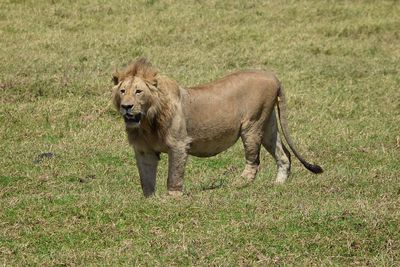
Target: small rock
{"x":45,"y":155}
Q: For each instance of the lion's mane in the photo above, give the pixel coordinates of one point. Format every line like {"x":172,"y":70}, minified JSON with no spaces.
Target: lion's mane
{"x":165,"y":95}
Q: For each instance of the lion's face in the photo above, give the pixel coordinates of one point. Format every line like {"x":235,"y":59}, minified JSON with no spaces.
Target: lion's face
{"x":133,"y":99}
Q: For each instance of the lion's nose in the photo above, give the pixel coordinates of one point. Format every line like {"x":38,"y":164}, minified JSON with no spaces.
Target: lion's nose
{"x":127,"y":107}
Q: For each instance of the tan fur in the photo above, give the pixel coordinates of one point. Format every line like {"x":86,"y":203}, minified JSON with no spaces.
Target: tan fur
{"x":202,"y":121}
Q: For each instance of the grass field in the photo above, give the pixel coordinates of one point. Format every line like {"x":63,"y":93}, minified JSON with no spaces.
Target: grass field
{"x":339,"y":63}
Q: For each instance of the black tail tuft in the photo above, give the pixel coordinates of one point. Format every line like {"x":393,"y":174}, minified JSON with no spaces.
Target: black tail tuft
{"x":313,"y":168}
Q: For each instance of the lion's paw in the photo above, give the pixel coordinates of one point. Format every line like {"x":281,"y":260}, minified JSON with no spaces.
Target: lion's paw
{"x":175,"y":193}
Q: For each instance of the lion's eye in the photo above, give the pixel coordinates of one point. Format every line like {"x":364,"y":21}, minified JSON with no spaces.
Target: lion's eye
{"x":122,"y":91}
{"x":138,"y":91}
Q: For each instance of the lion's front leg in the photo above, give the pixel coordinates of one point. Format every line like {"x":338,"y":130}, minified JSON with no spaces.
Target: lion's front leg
{"x":147,"y":165}
{"x":177,"y":157}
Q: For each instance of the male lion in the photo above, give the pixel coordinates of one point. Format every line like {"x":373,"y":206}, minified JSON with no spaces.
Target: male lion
{"x":160,"y":116}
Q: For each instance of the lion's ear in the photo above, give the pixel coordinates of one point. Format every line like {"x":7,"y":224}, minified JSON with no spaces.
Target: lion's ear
{"x":115,"y":78}
{"x":151,"y":82}
{"x":150,"y":77}
{"x":167,"y":85}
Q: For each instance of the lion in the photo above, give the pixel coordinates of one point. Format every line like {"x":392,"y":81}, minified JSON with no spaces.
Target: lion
{"x":162,"y":117}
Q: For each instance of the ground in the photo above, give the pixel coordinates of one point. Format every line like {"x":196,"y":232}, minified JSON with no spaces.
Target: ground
{"x":81,"y":204}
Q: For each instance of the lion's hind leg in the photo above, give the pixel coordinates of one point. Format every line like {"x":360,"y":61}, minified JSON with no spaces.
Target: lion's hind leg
{"x":272,"y":142}
{"x":251,"y":137}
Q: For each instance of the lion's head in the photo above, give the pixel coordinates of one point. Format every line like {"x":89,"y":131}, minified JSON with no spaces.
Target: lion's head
{"x":140,"y":94}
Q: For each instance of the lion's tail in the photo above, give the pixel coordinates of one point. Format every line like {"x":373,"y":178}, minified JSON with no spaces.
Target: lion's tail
{"x":284,"y":125}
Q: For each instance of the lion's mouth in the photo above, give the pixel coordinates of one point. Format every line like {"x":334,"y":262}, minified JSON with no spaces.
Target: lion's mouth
{"x":129,"y":118}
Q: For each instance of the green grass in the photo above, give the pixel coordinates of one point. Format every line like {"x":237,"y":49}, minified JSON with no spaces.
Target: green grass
{"x":339,"y":62}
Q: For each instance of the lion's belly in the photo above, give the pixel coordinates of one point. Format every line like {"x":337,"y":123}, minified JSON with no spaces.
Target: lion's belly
{"x":209,"y":143}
